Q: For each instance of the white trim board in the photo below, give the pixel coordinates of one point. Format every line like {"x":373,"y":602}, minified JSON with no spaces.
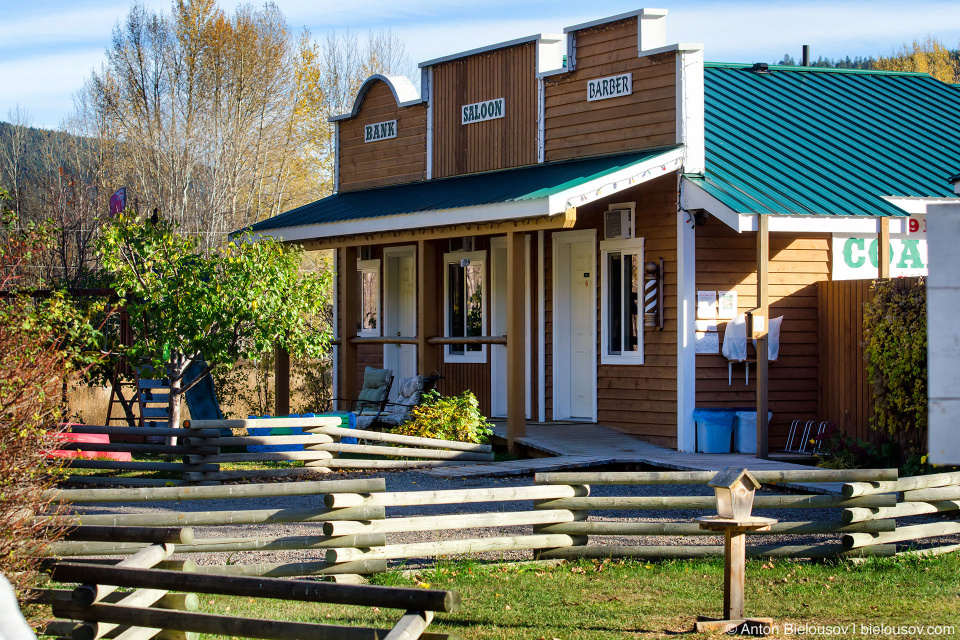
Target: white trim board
{"x":541,"y":332}
{"x":915,"y":206}
{"x":686,"y":326}
{"x":650,"y":13}
{"x":491,"y":47}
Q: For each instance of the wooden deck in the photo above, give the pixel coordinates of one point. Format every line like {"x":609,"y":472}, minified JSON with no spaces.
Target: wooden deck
{"x":575,"y":446}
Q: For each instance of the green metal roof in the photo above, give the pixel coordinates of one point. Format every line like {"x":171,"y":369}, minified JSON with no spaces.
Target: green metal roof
{"x":494,"y":187}
{"x":813,"y":141}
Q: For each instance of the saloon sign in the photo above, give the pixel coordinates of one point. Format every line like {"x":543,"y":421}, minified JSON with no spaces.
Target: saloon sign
{"x":380,"y":131}
{"x":856,"y":257}
{"x":480,"y":111}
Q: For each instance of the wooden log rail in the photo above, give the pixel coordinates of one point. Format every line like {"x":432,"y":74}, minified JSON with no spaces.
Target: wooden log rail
{"x":365,"y":485}
{"x":125,"y":534}
{"x":293,"y":590}
{"x":452,"y":521}
{"x":321,"y":447}
{"x":202,"y":445}
{"x":419,"y":604}
{"x":918,"y":495}
{"x":582,"y":506}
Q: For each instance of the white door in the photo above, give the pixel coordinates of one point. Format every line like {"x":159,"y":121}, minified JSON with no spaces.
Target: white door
{"x":498,"y":325}
{"x":400,"y":312}
{"x":575,"y":326}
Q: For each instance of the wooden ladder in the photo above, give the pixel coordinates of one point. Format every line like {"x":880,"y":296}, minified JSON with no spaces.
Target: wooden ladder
{"x":124,"y":376}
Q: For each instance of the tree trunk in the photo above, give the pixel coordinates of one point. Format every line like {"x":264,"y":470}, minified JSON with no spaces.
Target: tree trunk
{"x":176,"y":370}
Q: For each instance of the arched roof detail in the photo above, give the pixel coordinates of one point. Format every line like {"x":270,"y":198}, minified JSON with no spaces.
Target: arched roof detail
{"x":400,"y":86}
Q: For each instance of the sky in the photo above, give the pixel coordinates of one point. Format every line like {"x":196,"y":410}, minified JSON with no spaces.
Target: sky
{"x":49,"y":47}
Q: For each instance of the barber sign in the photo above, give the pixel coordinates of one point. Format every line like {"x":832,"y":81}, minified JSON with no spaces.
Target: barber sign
{"x":480,"y":111}
{"x":380,"y":131}
{"x":611,"y":87}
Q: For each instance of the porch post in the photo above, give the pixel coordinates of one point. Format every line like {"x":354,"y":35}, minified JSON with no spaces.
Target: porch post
{"x":281,"y":379}
{"x":883,"y":248}
{"x":516,"y":339}
{"x":763,"y":306}
{"x":429,"y":296}
{"x":348,"y":290}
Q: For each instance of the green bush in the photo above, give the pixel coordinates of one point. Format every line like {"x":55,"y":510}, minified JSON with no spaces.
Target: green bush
{"x":447,"y":418}
{"x":895,"y":335}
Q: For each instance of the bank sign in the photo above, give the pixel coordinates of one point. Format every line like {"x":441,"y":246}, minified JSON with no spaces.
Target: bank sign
{"x":856,"y":257}
{"x":480,"y":111}
{"x":610,"y":87}
{"x":380,"y":131}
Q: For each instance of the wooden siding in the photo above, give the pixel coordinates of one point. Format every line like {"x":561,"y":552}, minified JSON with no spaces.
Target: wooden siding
{"x":574,"y":127}
{"x":642,"y":399}
{"x":510,"y":141}
{"x":846,"y":396}
{"x":726,"y":260}
{"x":386,"y":162}
{"x":636,"y":399}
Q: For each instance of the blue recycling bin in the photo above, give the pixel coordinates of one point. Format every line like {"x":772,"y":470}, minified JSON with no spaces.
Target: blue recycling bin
{"x":714,"y":429}
{"x":276,"y":431}
{"x":745,"y":429}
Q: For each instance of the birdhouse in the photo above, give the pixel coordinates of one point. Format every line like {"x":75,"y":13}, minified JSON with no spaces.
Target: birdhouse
{"x":734,"y":489}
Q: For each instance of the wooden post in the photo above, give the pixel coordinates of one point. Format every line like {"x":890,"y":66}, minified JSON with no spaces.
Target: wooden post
{"x":348,"y":289}
{"x":429,"y":295}
{"x":883,"y":248}
{"x":763,"y":306}
{"x":734,"y":572}
{"x":281,"y":377}
{"x":516,"y":340}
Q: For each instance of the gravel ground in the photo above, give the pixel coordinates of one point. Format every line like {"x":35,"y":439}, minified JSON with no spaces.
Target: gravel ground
{"x":416,"y":481}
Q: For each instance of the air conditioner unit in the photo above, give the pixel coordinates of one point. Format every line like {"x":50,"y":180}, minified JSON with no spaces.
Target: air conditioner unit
{"x":618,"y":224}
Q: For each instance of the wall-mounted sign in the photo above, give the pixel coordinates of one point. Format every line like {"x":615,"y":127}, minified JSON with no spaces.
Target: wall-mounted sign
{"x":706,"y":305}
{"x":612,"y":87}
{"x":380,"y":131}
{"x":480,"y":111}
{"x":855,"y":257}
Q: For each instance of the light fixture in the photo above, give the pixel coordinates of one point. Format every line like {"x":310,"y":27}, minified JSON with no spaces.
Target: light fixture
{"x":465,"y":263}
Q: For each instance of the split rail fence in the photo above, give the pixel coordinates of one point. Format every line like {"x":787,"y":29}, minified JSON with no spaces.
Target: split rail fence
{"x":355,"y":536}
{"x":205,"y":445}
{"x":92,"y":610}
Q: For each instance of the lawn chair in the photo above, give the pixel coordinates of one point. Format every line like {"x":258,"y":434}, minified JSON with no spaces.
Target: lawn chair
{"x":410,"y":395}
{"x":375,"y":394}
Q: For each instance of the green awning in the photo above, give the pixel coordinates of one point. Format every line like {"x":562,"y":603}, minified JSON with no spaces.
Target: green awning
{"x":541,"y":190}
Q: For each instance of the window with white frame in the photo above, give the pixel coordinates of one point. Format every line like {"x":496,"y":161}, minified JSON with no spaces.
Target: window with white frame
{"x":621,"y":301}
{"x":464,"y":304}
{"x":368,"y":324}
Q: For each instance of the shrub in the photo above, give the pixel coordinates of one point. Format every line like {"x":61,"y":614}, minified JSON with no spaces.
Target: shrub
{"x":895,"y":335}
{"x":447,"y":418}
{"x":40,"y":354}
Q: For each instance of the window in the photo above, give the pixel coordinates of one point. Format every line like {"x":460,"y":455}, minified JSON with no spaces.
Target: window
{"x":368,"y":324}
{"x":621,"y":302}
{"x":465,"y":304}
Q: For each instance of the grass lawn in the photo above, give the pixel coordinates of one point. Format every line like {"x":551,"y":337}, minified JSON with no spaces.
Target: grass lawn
{"x":626,"y":599}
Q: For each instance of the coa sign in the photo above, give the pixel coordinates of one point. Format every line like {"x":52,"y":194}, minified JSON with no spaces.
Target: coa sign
{"x":855,"y":257}
{"x":380,"y":131}
{"x":480,"y":111}
{"x":612,"y":87}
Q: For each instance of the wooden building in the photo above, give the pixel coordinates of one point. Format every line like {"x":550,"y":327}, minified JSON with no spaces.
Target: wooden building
{"x":545,"y":221}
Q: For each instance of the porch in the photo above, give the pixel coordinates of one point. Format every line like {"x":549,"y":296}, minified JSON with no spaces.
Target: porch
{"x":572,"y":446}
